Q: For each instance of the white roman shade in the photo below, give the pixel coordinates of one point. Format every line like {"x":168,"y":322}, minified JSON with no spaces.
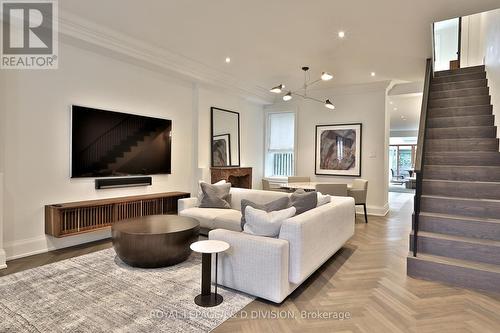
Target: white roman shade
{"x":282,"y":129}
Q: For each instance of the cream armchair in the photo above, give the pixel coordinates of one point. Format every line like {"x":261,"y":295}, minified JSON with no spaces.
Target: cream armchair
{"x":358,"y":191}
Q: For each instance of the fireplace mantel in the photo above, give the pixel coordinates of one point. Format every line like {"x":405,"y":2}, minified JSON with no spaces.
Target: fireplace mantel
{"x":237,"y":176}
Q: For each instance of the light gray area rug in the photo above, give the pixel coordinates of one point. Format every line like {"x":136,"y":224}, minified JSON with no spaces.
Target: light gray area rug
{"x":97,"y":292}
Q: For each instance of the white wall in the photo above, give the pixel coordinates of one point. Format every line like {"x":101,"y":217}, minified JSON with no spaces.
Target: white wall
{"x":364,"y":104}
{"x":36,"y":108}
{"x":251,"y":128}
{"x":471,"y":53}
{"x":490,"y":32}
{"x":446,"y":43}
{"x":2,"y":159}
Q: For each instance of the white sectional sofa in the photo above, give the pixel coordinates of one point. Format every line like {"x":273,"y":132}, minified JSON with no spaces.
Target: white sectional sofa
{"x":271,"y":268}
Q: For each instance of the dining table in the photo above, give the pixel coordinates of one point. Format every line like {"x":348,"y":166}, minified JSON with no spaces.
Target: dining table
{"x":306,"y":186}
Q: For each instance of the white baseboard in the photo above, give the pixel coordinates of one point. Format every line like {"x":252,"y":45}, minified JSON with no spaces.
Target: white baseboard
{"x":41,"y":244}
{"x":374,"y":210}
{"x":2,"y":259}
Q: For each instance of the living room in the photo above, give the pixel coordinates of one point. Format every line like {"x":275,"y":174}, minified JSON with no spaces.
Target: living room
{"x":194,"y":68}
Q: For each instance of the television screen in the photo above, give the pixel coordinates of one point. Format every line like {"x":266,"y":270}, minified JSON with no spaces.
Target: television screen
{"x":106,"y":143}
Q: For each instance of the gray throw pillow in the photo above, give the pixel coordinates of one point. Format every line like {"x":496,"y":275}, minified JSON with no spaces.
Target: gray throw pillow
{"x":278,"y":204}
{"x":215,"y":196}
{"x":303,"y":201}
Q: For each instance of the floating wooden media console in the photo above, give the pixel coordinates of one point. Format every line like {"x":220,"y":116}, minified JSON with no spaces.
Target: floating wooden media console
{"x":73,"y":218}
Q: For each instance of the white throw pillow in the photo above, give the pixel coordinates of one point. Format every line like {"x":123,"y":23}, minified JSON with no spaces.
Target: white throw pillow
{"x":262,"y":223}
{"x":200,"y":192}
{"x":323,"y":199}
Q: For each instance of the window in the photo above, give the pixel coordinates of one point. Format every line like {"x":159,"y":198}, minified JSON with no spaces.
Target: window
{"x":280,"y":144}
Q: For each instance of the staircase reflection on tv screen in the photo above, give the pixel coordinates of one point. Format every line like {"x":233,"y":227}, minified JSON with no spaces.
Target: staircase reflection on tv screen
{"x":106,"y":143}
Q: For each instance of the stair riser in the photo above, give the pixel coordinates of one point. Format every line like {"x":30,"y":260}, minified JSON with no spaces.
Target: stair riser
{"x":463,"y":159}
{"x":462,"y":228}
{"x":462,"y":101}
{"x":460,"y":85}
{"x":482,"y":91}
{"x":458,"y":276}
{"x":469,"y":190}
{"x":484,"y":110}
{"x":472,"y":208}
{"x":460,"y":121}
{"x":461,"y":145}
{"x":458,"y":249}
{"x":465,"y":70}
{"x":459,"y":78}
{"x":462,"y":132}
{"x":486,"y":174}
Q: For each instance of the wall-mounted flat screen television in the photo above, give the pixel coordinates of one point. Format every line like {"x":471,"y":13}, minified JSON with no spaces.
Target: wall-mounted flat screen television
{"x":106,"y":143}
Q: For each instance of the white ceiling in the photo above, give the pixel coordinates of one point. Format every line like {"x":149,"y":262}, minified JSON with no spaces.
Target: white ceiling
{"x":268,"y":41}
{"x":405,"y":111}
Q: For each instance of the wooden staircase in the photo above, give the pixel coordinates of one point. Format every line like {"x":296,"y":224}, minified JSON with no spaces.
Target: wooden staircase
{"x":458,"y":223}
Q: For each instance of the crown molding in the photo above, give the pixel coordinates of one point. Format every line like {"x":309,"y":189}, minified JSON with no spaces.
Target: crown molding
{"x":91,"y":36}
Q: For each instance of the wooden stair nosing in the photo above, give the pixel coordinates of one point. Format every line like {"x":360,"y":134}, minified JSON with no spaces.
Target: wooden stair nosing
{"x":464,"y":70}
{"x":457,"y":225}
{"x":459,"y":273}
{"x":462,"y":248}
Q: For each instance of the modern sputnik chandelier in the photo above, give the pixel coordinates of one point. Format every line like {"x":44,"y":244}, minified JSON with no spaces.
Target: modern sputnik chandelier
{"x":302,"y":92}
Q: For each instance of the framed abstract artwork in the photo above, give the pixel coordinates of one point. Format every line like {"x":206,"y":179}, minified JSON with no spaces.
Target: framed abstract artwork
{"x":338,"y":150}
{"x":221,"y":150}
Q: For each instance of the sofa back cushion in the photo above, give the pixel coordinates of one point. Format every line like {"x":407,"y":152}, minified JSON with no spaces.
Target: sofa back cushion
{"x":271,"y":206}
{"x":303,"y":201}
{"x":257,"y":196}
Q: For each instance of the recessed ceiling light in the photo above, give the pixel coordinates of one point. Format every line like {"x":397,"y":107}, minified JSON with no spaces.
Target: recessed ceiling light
{"x":372,"y":74}
{"x":403,"y":117}
{"x":391,"y":102}
{"x":341,"y":34}
{"x":395,"y":109}
{"x":228,"y":60}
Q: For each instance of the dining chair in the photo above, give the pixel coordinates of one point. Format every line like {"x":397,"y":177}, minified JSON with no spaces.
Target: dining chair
{"x":266,"y":186}
{"x":358,"y":191}
{"x":297,"y":179}
{"x":339,"y":190}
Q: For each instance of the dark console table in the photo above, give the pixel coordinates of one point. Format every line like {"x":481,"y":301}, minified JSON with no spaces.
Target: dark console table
{"x":66,"y":219}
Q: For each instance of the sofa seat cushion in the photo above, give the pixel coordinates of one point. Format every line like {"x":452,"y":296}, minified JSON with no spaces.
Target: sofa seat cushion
{"x":231,"y":220}
{"x":207,"y":216}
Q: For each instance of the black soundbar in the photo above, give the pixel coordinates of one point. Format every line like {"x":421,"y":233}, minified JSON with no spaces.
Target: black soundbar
{"x":122,"y":182}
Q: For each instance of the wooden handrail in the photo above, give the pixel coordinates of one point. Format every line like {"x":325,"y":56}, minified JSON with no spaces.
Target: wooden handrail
{"x":419,"y":158}
{"x":423,"y":117}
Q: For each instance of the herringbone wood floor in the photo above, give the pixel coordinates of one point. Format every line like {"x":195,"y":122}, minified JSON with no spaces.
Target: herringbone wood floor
{"x":367,"y":279}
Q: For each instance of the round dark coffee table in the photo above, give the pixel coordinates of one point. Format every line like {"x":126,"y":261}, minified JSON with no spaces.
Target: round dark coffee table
{"x":155,"y":240}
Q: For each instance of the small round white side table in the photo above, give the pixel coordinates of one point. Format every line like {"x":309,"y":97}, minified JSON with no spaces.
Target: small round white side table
{"x":206,"y":248}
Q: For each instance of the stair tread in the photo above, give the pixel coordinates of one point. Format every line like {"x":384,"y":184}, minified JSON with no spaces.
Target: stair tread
{"x":460,"y":217}
{"x":458,"y":127}
{"x":459,"y":198}
{"x":460,"y":181}
{"x":459,"y":139}
{"x":452,"y":153}
{"x":462,"y":166}
{"x":460,"y":70}
{"x":470,"y":118}
{"x":478,"y":241}
{"x":458,"y":90}
{"x":458,"y":262}
{"x":468,"y":81}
